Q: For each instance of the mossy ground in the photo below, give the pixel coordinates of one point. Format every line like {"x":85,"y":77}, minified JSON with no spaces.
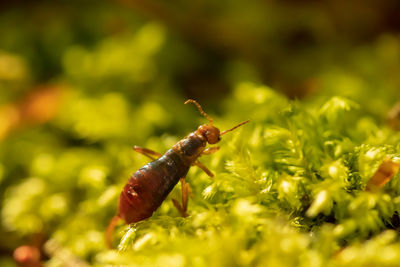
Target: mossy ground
{"x":289,"y":187}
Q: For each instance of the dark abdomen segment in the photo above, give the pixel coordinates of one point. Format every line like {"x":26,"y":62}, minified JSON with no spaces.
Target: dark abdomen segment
{"x":149,"y":186}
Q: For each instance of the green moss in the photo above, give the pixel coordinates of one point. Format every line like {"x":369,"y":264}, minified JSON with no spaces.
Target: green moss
{"x":289,"y":187}
{"x":288,"y":190}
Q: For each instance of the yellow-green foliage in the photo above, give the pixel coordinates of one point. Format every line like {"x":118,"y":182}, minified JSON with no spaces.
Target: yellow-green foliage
{"x":289,"y":187}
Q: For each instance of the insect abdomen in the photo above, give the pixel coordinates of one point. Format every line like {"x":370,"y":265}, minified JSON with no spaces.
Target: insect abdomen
{"x":149,"y":186}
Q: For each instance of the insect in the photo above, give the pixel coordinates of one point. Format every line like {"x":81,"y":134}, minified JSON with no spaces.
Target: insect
{"x":147,"y":188}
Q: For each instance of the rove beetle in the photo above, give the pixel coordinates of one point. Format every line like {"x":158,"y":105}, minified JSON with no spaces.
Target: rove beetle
{"x":147,"y":188}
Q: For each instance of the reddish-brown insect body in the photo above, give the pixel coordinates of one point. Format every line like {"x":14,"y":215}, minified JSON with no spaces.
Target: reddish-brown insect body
{"x":147,"y":188}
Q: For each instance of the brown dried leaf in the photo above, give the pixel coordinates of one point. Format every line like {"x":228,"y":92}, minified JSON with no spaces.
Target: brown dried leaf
{"x":384,"y":174}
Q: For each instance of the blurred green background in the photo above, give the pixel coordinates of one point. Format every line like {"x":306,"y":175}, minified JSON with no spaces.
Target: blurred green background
{"x":81,"y":82}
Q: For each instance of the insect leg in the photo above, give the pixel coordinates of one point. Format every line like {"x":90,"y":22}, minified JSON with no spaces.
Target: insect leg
{"x":110,"y":230}
{"x":210,"y":150}
{"x":207,"y":151}
{"x":185,"y":198}
{"x":185,"y":194}
{"x":178,"y":207}
{"x":147,"y":152}
{"x":204,"y":168}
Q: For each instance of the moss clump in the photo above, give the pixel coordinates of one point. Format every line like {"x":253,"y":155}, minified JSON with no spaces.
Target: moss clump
{"x":289,"y":187}
{"x":289,"y":190}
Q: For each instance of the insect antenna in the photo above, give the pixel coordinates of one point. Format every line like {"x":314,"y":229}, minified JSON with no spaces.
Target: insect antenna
{"x":205,"y":115}
{"x":240,"y":124}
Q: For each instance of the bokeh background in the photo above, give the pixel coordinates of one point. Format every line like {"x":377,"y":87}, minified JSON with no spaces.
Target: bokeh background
{"x":81,"y":82}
